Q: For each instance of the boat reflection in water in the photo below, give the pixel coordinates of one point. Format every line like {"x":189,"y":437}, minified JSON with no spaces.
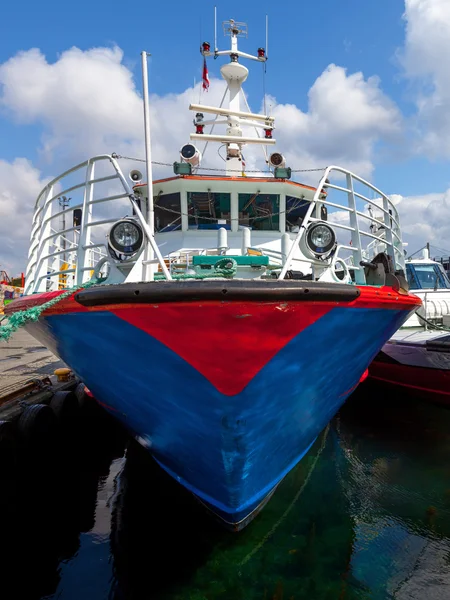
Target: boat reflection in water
{"x":365,"y":516}
{"x":55,"y":529}
{"x":159,"y":553}
{"x":394,"y":473}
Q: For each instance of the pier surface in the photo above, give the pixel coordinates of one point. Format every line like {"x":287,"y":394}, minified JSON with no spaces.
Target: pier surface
{"x":22,"y":359}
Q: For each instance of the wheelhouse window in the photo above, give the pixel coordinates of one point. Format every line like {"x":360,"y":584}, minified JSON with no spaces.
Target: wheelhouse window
{"x":167,"y":212}
{"x":426,"y":276}
{"x":296,"y":209}
{"x":260,"y":211}
{"x":209,"y":210}
{"x":295,"y":212}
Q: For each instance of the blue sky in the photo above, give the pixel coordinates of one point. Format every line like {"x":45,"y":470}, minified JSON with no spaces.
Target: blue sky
{"x":362,"y":36}
{"x":404,"y":149}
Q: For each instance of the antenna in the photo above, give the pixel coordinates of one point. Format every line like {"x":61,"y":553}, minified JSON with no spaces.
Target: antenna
{"x":215,"y":29}
{"x":265,"y":63}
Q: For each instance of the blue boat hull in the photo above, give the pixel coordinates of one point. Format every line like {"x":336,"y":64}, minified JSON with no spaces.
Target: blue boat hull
{"x":230,"y":449}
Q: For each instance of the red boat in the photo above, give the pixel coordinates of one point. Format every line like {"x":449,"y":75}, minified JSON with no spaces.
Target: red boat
{"x":417,"y":357}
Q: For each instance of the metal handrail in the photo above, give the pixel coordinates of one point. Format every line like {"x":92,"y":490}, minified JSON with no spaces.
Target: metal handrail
{"x":45,"y":251}
{"x":48,"y":246}
{"x":391,"y":228}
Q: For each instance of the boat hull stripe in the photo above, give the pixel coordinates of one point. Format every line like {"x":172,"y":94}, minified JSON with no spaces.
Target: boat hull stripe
{"x":229,"y":448}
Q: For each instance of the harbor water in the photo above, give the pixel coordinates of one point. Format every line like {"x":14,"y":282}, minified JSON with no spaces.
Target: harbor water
{"x":365,"y":515}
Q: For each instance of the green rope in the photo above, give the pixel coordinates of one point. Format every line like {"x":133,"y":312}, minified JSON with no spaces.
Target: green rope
{"x":225,"y":267}
{"x":22,"y":317}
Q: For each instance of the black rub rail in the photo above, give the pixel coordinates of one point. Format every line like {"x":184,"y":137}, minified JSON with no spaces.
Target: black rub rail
{"x":188,"y":291}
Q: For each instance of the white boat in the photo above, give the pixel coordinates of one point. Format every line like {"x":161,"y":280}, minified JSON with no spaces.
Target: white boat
{"x":417,"y":357}
{"x":223,"y":326}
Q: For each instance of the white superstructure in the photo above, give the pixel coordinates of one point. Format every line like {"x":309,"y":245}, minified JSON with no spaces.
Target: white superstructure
{"x":271,"y":226}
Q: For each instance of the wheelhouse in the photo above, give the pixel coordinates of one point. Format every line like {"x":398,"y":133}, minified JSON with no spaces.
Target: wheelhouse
{"x":426,"y":276}
{"x":193,"y":203}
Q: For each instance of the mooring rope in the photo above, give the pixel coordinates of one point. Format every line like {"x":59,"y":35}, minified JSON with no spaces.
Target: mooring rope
{"x":225,"y":267}
{"x":22,"y":317}
{"x":431,"y":324}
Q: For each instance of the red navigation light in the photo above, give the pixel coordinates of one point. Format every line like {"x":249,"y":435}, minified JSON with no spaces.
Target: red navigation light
{"x":199,"y":128}
{"x":268,"y":134}
{"x":261,"y":53}
{"x":206,"y":47}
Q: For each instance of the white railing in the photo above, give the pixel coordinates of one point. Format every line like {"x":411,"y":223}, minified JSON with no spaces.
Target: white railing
{"x":61,"y":256}
{"x":355,"y":215}
{"x":64,"y":253}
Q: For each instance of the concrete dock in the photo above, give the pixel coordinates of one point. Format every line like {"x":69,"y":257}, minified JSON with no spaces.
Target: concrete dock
{"x":22,"y":359}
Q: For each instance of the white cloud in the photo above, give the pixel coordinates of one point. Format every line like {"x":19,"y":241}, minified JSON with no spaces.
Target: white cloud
{"x":20,"y":183}
{"x":85,"y":100}
{"x":425,"y":58}
{"x":87,"y":103}
{"x":424,"y":219}
{"x":347,"y":115}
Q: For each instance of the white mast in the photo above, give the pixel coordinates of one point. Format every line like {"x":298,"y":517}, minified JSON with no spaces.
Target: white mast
{"x":149,"y":254}
{"x":234,"y":74}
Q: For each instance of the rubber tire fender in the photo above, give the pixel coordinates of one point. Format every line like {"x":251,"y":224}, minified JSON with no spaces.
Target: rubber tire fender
{"x":65,"y":406}
{"x":81,"y":396}
{"x":37,"y":422}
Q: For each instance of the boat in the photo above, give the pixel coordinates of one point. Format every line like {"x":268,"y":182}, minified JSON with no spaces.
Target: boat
{"x":445,"y":262}
{"x":417,"y":356}
{"x":214,"y":312}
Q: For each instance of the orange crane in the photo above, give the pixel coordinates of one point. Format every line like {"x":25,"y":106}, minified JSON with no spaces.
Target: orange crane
{"x":4,"y":278}
{"x":15,"y":281}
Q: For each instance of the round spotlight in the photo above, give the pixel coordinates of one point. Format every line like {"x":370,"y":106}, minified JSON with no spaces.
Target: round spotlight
{"x":320,"y":238}
{"x":126,"y":237}
{"x":277,"y":160}
{"x":190,"y":154}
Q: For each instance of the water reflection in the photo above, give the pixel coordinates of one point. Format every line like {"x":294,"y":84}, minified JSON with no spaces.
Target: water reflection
{"x":366,"y":515}
{"x":49,"y":507}
{"x":165,"y":546}
{"x":394,"y":471}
